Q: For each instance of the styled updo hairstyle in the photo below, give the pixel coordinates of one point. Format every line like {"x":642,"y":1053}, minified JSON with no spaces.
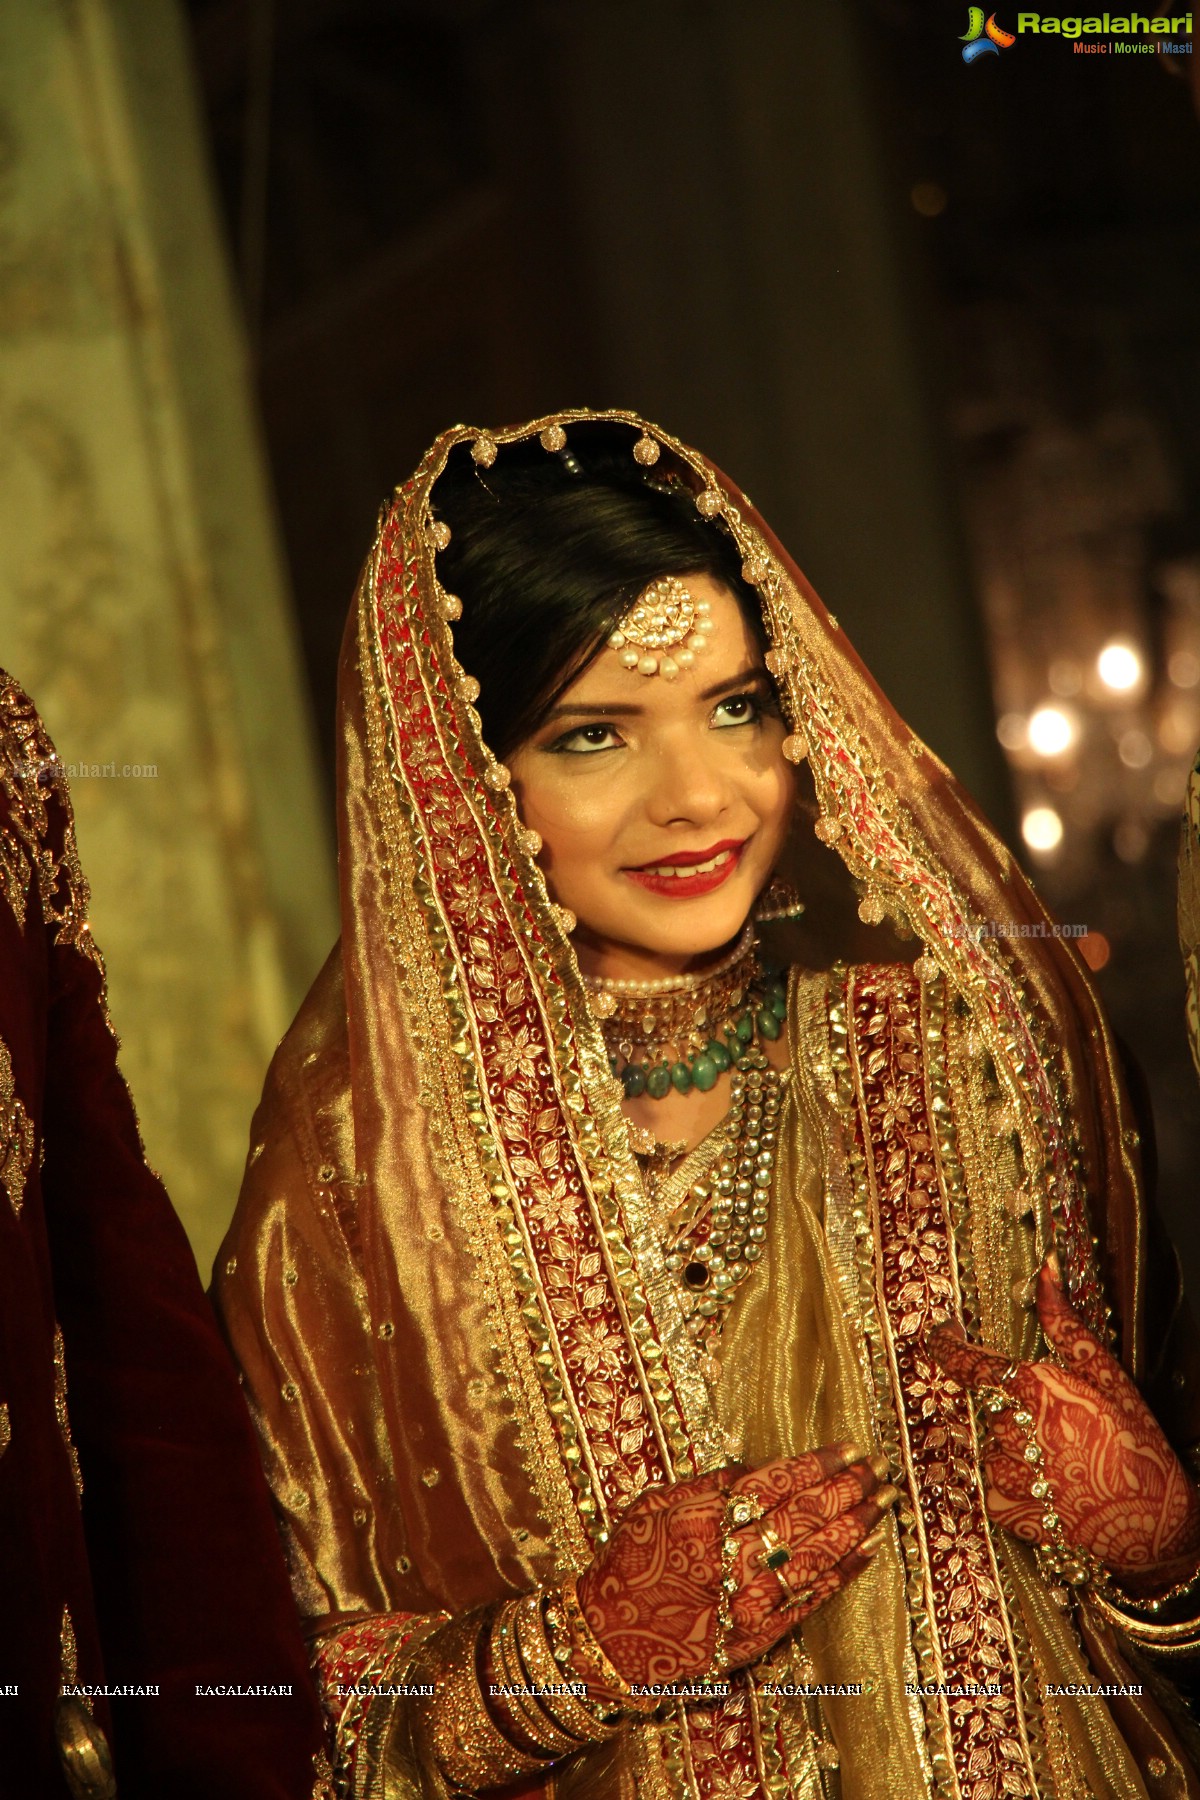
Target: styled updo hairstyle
{"x":549,"y":551}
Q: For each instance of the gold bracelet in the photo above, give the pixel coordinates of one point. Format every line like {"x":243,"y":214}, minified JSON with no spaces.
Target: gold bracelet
{"x":1181,"y":1638}
{"x":466,"y":1743}
{"x":568,"y":1630}
{"x":1150,"y":1603}
{"x":564,"y":1697}
{"x":525,"y":1709}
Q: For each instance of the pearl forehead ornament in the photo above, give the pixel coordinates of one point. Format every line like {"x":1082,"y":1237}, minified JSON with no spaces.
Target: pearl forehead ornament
{"x":664,"y":629}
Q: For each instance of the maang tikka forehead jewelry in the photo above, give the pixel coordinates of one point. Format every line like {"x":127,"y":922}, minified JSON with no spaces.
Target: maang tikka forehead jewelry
{"x":664,"y":615}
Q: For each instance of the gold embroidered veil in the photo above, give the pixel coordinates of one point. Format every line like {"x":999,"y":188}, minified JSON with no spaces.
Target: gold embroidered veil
{"x":456,"y":1329}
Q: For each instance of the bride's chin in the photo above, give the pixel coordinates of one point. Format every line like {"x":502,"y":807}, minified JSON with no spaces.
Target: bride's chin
{"x":679,"y":936}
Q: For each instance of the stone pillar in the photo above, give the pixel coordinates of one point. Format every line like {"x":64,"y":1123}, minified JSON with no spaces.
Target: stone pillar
{"x":142,"y":595}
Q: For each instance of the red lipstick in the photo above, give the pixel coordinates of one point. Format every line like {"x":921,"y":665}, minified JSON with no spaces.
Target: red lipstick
{"x":726,"y":856}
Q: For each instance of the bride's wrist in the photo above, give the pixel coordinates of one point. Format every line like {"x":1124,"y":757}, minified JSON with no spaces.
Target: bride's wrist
{"x":1151,"y":1589}
{"x":575,"y":1645}
{"x":460,"y":1732}
{"x":538,"y":1684}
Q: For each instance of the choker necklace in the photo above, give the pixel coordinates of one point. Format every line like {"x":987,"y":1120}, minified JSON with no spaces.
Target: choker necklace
{"x":684,"y":1031}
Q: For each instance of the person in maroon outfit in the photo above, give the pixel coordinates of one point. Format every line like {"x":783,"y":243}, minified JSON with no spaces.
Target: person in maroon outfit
{"x":138,"y":1548}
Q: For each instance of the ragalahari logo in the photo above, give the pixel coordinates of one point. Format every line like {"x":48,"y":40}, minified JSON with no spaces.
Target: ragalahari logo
{"x":984,"y":37}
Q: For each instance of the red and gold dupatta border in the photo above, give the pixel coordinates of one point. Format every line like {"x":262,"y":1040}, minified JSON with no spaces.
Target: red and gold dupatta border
{"x":603,"y":1361}
{"x":887,"y":1033}
{"x":875,"y":839}
{"x":613,"y":1411}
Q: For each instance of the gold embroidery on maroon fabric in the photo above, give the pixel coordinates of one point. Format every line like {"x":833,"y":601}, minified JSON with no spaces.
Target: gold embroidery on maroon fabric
{"x":16,"y":1135}
{"x":60,"y":1408}
{"x":68,"y":1654}
{"x":968,"y":1643}
{"x":5,"y":1427}
{"x":29,"y":772}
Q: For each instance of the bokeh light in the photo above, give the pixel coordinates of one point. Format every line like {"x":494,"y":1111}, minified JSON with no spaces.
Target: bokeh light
{"x":1119,"y":667}
{"x":1051,"y":731}
{"x":1042,"y":829}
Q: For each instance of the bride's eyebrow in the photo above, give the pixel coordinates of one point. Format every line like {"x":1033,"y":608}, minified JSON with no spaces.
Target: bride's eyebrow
{"x":751,"y":676}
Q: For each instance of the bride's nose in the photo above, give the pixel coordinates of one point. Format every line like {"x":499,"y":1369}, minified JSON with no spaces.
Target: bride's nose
{"x":687,"y":785}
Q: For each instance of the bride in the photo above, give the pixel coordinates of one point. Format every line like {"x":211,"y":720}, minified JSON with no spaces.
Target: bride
{"x":682,"y":1369}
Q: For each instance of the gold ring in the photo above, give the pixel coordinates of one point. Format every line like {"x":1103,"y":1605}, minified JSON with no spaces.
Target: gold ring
{"x":743,"y":1509}
{"x":776,"y":1555}
{"x":775,"y":1552}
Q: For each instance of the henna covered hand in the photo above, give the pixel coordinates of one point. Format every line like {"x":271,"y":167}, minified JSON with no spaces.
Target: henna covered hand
{"x":1117,"y":1486}
{"x":651,"y":1595}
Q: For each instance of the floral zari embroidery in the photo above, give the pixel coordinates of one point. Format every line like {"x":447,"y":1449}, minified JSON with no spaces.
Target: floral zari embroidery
{"x":906,"y":1232}
{"x":613,"y":1439}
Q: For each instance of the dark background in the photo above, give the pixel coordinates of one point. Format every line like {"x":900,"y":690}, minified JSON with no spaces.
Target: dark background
{"x":940,"y":320}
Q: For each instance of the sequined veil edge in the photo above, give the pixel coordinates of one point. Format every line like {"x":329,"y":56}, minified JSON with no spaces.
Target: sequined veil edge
{"x":506,"y":1084}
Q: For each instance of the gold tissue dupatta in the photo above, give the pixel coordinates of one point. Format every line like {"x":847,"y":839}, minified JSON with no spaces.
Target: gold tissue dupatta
{"x":442,"y":1125}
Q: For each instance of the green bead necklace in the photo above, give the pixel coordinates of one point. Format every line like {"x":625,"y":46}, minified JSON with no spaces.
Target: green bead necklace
{"x":685,"y":1032}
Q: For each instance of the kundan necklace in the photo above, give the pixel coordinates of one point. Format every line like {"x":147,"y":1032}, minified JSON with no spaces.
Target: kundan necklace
{"x":715,"y":1211}
{"x":684,"y":1031}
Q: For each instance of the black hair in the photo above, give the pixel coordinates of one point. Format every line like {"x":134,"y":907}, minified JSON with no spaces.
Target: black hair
{"x":547,"y":553}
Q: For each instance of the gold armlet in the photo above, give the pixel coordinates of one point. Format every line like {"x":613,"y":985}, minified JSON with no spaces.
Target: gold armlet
{"x":464,"y":1740}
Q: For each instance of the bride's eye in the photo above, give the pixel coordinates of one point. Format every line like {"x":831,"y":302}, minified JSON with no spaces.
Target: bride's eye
{"x":738,"y":709}
{"x":584,"y":739}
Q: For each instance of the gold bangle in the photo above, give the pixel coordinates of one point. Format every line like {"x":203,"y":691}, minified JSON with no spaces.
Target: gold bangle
{"x":526,"y":1709}
{"x":1180,"y":1638}
{"x":564,"y":1696}
{"x":466,"y":1743}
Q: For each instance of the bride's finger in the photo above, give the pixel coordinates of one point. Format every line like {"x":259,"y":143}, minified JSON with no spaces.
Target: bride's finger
{"x":774,"y":1601}
{"x":777,"y":1480}
{"x":806,"y":1512}
{"x":810,"y":1555}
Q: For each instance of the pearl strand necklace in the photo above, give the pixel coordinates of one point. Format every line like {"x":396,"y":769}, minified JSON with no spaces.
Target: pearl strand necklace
{"x":674,"y":984}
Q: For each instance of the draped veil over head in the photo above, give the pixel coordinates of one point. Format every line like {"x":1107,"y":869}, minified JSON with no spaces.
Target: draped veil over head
{"x":460,"y":1340}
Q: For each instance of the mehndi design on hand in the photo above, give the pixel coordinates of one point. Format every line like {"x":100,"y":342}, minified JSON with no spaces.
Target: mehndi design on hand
{"x":652,"y":1594}
{"x":1119,"y":1489}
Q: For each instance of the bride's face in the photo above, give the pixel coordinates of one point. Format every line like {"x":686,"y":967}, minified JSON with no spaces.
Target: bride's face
{"x":662,"y":805}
